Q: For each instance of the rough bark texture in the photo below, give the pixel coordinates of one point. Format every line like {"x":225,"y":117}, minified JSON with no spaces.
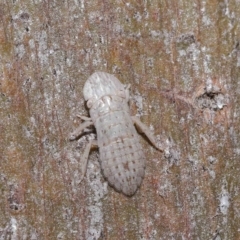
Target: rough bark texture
{"x":182,"y":59}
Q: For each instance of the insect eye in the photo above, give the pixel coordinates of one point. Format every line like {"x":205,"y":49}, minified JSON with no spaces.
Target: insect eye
{"x":89,"y":103}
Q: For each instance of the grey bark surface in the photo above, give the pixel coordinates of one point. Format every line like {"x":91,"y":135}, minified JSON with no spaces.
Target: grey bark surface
{"x":182,"y":59}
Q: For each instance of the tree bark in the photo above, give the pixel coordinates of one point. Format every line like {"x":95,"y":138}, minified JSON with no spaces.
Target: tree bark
{"x":182,"y":60}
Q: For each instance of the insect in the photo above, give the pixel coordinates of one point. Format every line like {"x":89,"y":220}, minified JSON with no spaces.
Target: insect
{"x":121,"y":156}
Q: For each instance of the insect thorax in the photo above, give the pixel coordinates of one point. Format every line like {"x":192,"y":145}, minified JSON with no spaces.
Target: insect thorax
{"x":107,"y":105}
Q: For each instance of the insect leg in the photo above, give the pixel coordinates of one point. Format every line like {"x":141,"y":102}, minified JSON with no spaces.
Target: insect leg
{"x":84,"y":118}
{"x":84,"y":158}
{"x":80,"y":129}
{"x":144,"y":129}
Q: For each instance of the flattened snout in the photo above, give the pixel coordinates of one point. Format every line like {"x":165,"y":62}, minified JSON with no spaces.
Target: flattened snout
{"x":100,"y":84}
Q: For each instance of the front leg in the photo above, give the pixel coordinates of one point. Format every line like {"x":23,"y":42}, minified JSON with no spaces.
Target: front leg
{"x":144,"y":129}
{"x":88,"y":122}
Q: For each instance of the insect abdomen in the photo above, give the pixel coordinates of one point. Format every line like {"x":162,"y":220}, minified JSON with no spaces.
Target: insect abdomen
{"x":121,"y":155}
